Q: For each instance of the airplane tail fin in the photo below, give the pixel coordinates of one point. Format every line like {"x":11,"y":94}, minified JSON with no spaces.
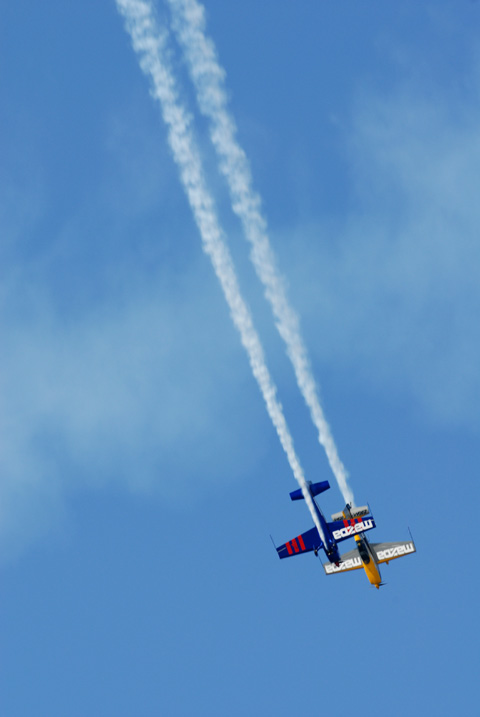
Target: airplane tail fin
{"x":314,"y":489}
{"x":349,"y":512}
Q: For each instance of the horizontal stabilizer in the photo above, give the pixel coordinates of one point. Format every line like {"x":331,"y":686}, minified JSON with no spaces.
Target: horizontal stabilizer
{"x":360,"y":511}
{"x":304,"y":543}
{"x":348,"y":561}
{"x":313,"y":488}
{"x":384,"y":552}
{"x":352,"y":512}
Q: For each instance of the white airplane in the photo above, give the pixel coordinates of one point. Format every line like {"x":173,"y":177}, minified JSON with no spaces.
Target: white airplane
{"x":367,"y":555}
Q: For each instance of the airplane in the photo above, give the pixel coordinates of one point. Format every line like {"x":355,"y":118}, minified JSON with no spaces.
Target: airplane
{"x":351,"y":522}
{"x":333,"y":532}
{"x":368,"y":555}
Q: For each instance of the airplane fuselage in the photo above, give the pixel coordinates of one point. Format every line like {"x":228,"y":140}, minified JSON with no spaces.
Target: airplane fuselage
{"x":330,"y":544}
{"x":367,"y":556}
{"x":368,"y":559}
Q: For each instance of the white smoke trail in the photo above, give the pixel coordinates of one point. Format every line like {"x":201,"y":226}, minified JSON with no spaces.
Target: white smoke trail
{"x":150,"y":45}
{"x":208,"y":78}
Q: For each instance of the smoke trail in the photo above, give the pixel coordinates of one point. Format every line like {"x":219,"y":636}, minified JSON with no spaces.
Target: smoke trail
{"x":150,"y":45}
{"x":208,"y":78}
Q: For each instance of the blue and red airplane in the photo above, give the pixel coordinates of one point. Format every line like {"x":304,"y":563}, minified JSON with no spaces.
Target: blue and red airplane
{"x":351,"y":522}
{"x":334,"y":532}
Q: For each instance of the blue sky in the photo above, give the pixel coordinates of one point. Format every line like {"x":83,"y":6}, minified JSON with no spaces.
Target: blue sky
{"x":140,"y":473}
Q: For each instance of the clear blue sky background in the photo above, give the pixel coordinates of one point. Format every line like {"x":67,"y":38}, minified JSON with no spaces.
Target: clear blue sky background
{"x":140,"y":476}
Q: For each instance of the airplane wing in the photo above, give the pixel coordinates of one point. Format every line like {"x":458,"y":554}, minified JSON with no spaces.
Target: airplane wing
{"x":349,"y":561}
{"x":343,"y":529}
{"x":304,"y":543}
{"x":384,"y":552}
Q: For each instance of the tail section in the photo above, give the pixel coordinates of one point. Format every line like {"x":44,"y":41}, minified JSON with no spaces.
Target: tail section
{"x":349,"y":512}
{"x":351,"y":521}
{"x":313,"y":488}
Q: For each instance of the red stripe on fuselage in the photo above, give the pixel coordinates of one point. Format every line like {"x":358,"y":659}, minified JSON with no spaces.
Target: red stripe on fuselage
{"x":295,"y":546}
{"x":289,"y":548}
{"x":302,"y":544}
{"x":346,"y":524}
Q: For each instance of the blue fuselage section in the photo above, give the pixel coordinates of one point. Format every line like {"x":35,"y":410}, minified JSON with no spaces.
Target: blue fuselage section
{"x":329,"y":544}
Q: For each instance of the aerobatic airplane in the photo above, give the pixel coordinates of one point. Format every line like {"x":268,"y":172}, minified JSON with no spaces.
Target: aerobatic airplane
{"x":351,"y":522}
{"x":368,"y":555}
{"x":333,"y":532}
